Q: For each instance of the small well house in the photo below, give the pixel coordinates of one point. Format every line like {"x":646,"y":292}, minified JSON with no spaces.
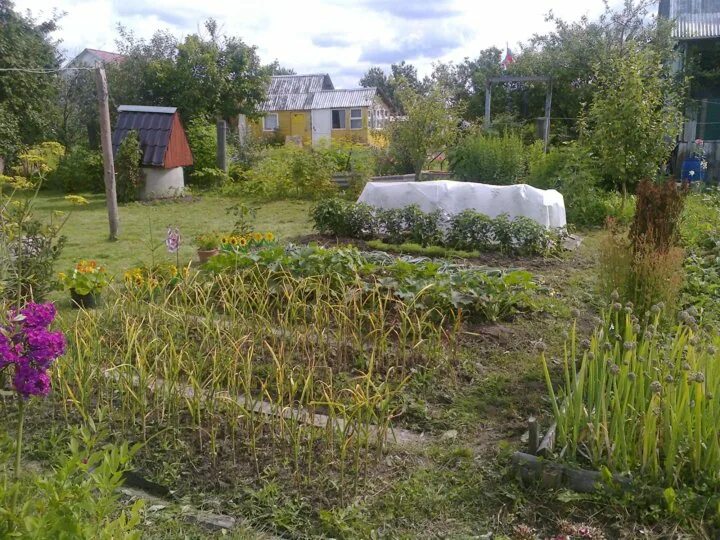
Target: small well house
{"x":164,"y":146}
{"x":308,"y":109}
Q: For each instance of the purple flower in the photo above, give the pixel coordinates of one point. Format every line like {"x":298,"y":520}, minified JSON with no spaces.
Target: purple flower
{"x":38,"y":315}
{"x":29,"y":381}
{"x":43,"y":346}
{"x":8,"y":354}
{"x":172,"y":240}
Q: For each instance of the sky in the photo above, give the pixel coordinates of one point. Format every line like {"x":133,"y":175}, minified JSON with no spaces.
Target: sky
{"x":340,"y":37}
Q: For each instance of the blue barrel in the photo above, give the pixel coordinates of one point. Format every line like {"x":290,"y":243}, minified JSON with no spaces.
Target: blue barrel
{"x":692,"y":170}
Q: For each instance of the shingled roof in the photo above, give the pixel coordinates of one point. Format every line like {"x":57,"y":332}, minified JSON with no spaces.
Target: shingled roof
{"x":162,"y":138}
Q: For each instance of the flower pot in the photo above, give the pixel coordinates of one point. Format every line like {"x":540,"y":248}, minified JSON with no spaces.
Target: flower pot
{"x":85,"y":301}
{"x":205,"y":254}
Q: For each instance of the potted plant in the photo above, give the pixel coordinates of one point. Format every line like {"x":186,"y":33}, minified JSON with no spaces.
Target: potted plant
{"x":208,"y":246}
{"x":85,"y":282}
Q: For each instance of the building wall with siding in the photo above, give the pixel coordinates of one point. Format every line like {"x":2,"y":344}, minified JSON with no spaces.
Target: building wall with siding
{"x":285,"y":123}
{"x":354,"y":135}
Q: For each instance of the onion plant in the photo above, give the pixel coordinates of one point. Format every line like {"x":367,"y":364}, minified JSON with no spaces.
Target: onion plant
{"x":638,"y":400}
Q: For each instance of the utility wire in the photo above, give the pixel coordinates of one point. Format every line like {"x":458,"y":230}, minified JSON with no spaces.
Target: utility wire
{"x":42,"y":70}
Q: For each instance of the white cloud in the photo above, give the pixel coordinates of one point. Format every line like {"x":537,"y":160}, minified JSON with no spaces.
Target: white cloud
{"x":340,"y":37}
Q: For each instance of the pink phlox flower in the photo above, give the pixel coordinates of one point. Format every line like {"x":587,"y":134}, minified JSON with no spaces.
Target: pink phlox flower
{"x":172,"y":240}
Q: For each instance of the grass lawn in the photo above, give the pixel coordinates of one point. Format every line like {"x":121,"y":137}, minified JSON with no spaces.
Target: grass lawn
{"x":143,"y":226}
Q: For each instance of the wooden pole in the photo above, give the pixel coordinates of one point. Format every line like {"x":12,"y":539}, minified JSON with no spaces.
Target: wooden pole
{"x":488,"y":101}
{"x":221,"y":129}
{"x":548,"y":108}
{"x":106,"y":142}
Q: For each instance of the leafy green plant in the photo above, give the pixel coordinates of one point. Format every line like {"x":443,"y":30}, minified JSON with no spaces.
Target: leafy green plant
{"x":86,"y":277}
{"x":31,"y":248}
{"x":207,"y":241}
{"x":127,"y":165}
{"x":208,"y":177}
{"x":77,"y":497}
{"x":422,"y":228}
{"x":79,"y":171}
{"x":467,"y":230}
{"x":470,"y":230}
{"x":202,"y":137}
{"x":497,"y":160}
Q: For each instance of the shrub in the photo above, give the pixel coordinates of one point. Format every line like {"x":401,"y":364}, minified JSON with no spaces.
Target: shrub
{"x":340,"y":218}
{"x":202,"y":137}
{"x":208,"y":177}
{"x":658,"y":211}
{"x":391,"y":224}
{"x":79,"y":171}
{"x":29,"y":249}
{"x":497,"y":160}
{"x":288,"y":171}
{"x":128,"y":176}
{"x":422,"y":228}
{"x":329,"y":216}
{"x":470,"y":230}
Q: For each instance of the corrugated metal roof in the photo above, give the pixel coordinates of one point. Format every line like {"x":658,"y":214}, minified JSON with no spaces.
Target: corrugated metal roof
{"x":327,"y":99}
{"x":287,"y":102}
{"x":357,"y":97}
{"x":697,"y":26}
{"x":299,"y":84}
{"x":147,"y":108}
{"x":153,"y":130}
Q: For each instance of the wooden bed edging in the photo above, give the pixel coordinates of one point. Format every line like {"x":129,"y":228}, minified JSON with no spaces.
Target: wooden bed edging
{"x":552,"y":475}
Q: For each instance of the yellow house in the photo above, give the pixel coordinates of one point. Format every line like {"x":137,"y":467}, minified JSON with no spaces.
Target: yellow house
{"x":307,"y":109}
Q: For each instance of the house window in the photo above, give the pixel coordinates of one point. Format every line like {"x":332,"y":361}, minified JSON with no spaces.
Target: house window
{"x":270,"y":122}
{"x":355,"y":118}
{"x":338,"y":119}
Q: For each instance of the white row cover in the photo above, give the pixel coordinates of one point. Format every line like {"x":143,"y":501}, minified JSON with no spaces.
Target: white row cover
{"x":547,"y":207}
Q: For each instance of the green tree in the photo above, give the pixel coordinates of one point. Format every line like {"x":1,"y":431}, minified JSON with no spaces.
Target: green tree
{"x":634,"y":118}
{"x":127,"y":163}
{"x":429,"y":126}
{"x":206,"y":75}
{"x":27,"y":99}
{"x":401,"y":73}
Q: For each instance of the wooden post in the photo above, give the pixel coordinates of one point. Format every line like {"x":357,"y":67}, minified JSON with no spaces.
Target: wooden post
{"x":106,"y":142}
{"x":488,"y":101}
{"x":548,"y":108}
{"x":221,"y":128}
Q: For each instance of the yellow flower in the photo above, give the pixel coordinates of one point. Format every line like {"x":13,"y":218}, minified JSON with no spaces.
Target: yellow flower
{"x":76,"y":200}
{"x":269,"y":237}
{"x":242,"y":241}
{"x":234,"y":240}
{"x":173,"y":271}
{"x":62,"y":276}
{"x":257,"y":237}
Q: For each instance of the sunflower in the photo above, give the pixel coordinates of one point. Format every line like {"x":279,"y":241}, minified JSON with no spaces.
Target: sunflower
{"x":257,"y":237}
{"x":242,"y":241}
{"x":234,"y":240}
{"x":224,"y":240}
{"x":269,"y":237}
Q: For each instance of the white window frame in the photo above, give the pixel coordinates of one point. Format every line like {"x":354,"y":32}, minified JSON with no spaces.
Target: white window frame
{"x":277,"y":122}
{"x":344,"y":119}
{"x":356,"y":118}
